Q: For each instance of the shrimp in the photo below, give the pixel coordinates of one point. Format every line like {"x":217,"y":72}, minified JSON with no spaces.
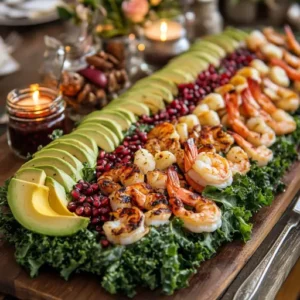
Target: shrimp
{"x":255,"y":40}
{"x":158,"y":211}
{"x":144,"y":160}
{"x":291,"y":40}
{"x":238,"y":160}
{"x":260,"y":66}
{"x":157,"y":179}
{"x":257,"y":139}
{"x":128,"y":226}
{"x":205,"y":168}
{"x":291,"y":72}
{"x":165,"y":137}
{"x":291,"y":59}
{"x":284,"y":98}
{"x":110,"y":181}
{"x":215,"y":136}
{"x":262,"y":155}
{"x":126,"y":196}
{"x":279,"y":76}
{"x":280,"y":121}
{"x":274,"y":37}
{"x":207,"y":216}
{"x":249,"y":72}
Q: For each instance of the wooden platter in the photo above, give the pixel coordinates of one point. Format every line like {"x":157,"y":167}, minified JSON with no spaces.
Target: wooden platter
{"x":209,"y":283}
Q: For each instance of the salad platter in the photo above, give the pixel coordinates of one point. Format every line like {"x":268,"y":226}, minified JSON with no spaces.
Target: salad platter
{"x":169,"y":188}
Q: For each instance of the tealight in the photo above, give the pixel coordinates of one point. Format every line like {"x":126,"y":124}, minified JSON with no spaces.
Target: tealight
{"x":165,"y":39}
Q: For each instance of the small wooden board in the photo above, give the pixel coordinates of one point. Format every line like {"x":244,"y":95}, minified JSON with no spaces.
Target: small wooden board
{"x":209,"y":283}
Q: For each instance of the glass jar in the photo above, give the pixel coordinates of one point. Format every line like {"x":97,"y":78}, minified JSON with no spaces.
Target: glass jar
{"x":34,"y":113}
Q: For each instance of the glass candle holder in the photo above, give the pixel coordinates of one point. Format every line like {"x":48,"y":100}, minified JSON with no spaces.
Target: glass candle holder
{"x":34,"y":113}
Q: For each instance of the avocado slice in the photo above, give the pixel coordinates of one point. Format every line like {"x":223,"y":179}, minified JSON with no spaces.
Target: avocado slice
{"x":137,"y":108}
{"x":152,"y":88}
{"x":64,"y":155}
{"x":57,"y":197}
{"x":237,"y":34}
{"x":113,"y":126}
{"x":32,"y":175}
{"x":199,"y":45}
{"x":101,"y":139}
{"x":56,"y":162}
{"x":76,"y":148}
{"x":227,"y":43}
{"x":177,"y":77}
{"x":29,"y":204}
{"x":125,"y":112}
{"x":171,"y":86}
{"x":154,"y":102}
{"x":102,"y":129}
{"x":113,"y":116}
{"x":83,"y":139}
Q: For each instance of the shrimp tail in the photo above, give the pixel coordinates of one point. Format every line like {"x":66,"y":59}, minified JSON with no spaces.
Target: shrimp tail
{"x":173,"y":183}
{"x":190,"y":154}
{"x":291,"y":40}
{"x":291,"y":72}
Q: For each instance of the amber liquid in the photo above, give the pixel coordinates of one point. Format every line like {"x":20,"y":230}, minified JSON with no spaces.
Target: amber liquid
{"x":25,"y":137}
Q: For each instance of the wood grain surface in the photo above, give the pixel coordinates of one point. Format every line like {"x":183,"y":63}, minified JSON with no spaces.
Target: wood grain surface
{"x":214,"y":275}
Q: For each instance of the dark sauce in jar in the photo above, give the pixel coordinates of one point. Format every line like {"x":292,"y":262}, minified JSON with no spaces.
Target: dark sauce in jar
{"x":30,"y":123}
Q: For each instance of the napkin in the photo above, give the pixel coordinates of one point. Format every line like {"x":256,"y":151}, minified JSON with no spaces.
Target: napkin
{"x":8,"y":64}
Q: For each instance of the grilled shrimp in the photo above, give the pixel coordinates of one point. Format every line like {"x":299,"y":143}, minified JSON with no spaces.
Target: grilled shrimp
{"x":238,"y":160}
{"x":274,"y":37}
{"x":283,"y":98}
{"x":127,"y":228}
{"x":129,"y":195}
{"x":158,"y":211}
{"x":280,"y":121}
{"x":291,"y":40}
{"x":157,"y":179}
{"x":257,"y":139}
{"x":262,"y":155}
{"x":292,"y":73}
{"x":205,"y":168}
{"x":215,"y":136}
{"x":126,"y":175}
{"x":165,"y":137}
{"x":255,"y":40}
{"x":260,"y":66}
{"x":279,"y":76}
{"x":214,"y":101}
{"x":207,"y":216}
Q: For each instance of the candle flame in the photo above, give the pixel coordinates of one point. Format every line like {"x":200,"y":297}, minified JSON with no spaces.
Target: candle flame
{"x":163,"y":31}
{"x":35,"y":97}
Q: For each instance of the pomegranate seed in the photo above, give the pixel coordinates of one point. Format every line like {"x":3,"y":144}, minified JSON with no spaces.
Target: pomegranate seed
{"x":86,"y":204}
{"x":104,"y":243}
{"x":108,"y":166}
{"x":120,"y":149}
{"x":87,"y":211}
{"x":82,"y":198}
{"x":90,"y":199}
{"x":99,"y":228}
{"x":96,"y":203}
{"x":126,"y":143}
{"x":72,"y":206}
{"x":104,"y":218}
{"x":102,"y":154}
{"x":95,"y":212}
{"x":89,"y":191}
{"x":75,"y":194}
{"x":79,"y":186}
{"x":79,"y":210}
{"x":95,"y":221}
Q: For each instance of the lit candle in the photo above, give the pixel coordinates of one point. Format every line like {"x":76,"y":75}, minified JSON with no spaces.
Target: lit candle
{"x":34,"y":112}
{"x":164,"y":40}
{"x":164,"y":31}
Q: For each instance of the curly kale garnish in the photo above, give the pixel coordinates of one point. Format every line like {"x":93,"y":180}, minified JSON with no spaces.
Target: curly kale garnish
{"x":57,"y":133}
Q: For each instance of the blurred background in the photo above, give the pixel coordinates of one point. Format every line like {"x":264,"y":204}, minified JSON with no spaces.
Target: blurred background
{"x":42,"y":39}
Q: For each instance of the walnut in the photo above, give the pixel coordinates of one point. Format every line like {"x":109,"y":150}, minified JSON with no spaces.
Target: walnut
{"x":99,"y":63}
{"x":112,"y":83}
{"x":121,"y":76}
{"x":71,"y":83}
{"x":83,"y":95}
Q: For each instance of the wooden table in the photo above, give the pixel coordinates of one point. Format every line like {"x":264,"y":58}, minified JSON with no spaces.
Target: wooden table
{"x":30,"y":56}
